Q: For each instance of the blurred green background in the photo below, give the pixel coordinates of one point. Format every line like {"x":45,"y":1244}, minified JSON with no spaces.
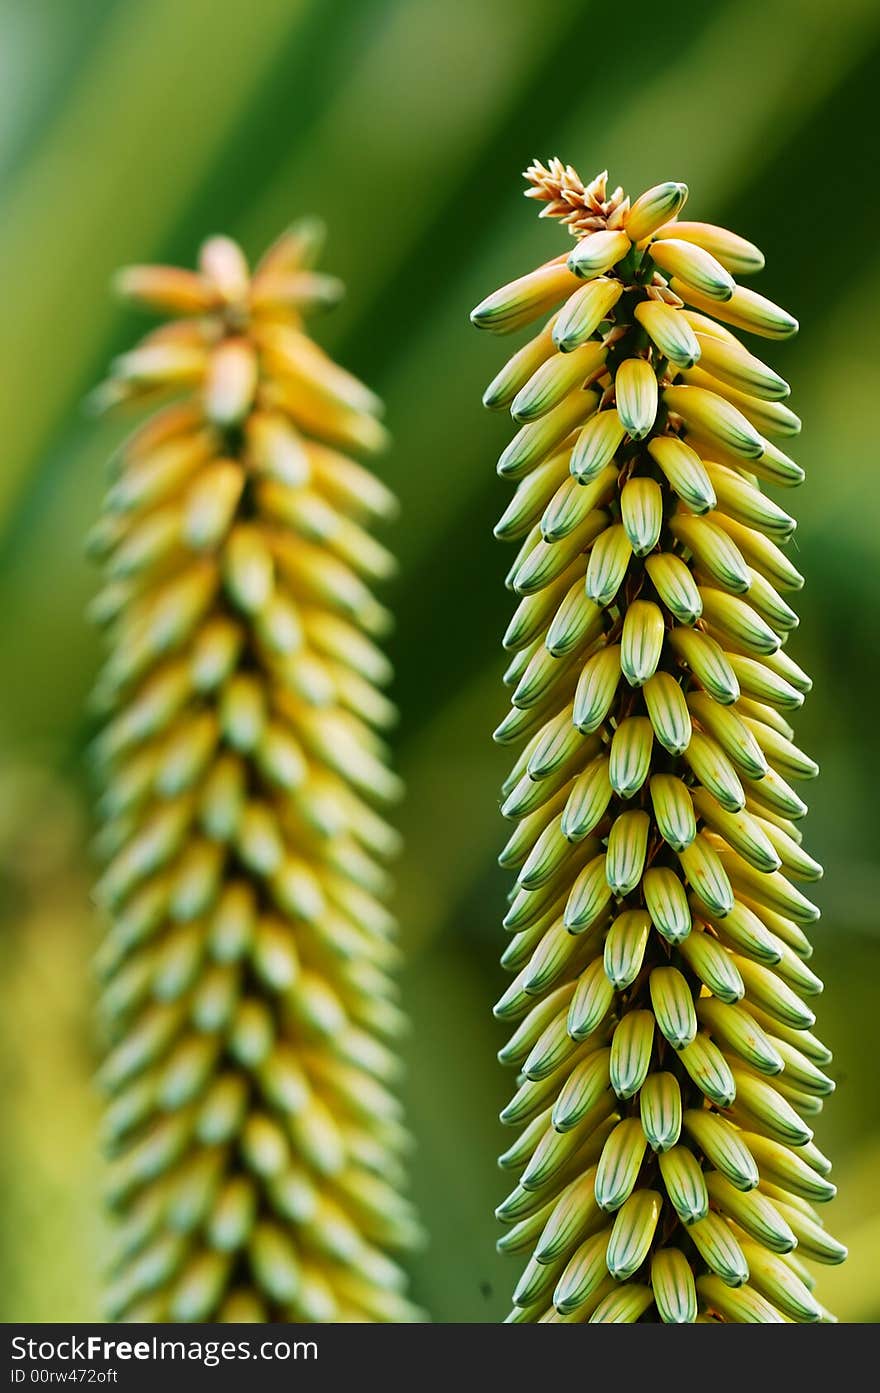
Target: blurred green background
{"x":131,"y":128}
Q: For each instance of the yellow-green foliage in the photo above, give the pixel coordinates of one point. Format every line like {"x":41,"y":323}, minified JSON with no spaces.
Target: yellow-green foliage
{"x":249,"y":998}
{"x":668,"y":1077}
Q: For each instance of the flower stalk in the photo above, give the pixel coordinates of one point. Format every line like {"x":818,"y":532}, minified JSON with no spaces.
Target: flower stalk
{"x":661,"y":1000}
{"x":250,"y":1007}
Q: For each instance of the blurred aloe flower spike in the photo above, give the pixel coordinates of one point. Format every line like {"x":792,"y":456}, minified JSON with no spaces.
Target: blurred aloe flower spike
{"x":249,"y":999}
{"x":668,"y":1077}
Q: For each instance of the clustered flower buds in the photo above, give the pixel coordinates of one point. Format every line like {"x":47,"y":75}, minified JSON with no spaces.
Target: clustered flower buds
{"x":249,"y":996}
{"x":665,"y":1165}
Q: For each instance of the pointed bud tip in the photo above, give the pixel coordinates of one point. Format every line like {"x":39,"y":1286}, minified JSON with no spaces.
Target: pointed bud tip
{"x":482,"y":314}
{"x":120,"y":281}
